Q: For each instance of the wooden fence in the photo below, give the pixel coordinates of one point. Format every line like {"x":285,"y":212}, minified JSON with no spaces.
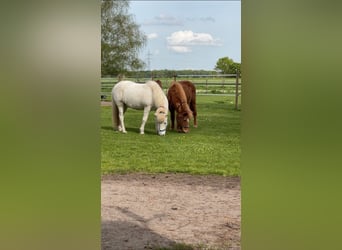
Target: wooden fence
{"x":227,"y":84}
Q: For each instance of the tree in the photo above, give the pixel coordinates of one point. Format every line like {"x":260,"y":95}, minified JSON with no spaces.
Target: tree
{"x":227,"y":66}
{"x":121,"y":39}
{"x":234,"y":67}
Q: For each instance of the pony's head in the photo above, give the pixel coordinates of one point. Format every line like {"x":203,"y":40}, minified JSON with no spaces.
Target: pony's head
{"x":161,"y":120}
{"x":184,"y":114}
{"x":183,"y":122}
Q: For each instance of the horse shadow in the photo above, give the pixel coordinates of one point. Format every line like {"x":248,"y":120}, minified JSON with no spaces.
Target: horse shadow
{"x":117,"y":235}
{"x":107,"y":128}
{"x":129,"y":130}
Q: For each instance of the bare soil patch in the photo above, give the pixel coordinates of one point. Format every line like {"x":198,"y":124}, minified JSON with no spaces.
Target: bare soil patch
{"x":147,"y":211}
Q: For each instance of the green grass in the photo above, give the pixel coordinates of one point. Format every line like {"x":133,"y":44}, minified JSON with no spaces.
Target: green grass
{"x":212,"y":148}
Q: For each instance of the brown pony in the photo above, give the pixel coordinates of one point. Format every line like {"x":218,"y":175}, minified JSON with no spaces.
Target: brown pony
{"x":190,"y":92}
{"x":182,"y":99}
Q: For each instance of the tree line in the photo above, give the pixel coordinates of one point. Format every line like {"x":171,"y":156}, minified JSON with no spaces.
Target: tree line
{"x":166,"y":73}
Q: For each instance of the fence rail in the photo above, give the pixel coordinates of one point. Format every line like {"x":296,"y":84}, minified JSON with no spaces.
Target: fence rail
{"x":226,"y":84}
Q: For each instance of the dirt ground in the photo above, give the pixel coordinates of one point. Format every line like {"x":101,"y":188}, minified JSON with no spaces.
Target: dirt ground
{"x":145,"y":211}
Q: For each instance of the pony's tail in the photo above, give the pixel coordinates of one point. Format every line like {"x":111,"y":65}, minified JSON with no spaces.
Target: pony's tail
{"x":115,"y":115}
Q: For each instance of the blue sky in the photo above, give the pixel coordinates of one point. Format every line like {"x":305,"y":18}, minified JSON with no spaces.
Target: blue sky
{"x":189,"y":34}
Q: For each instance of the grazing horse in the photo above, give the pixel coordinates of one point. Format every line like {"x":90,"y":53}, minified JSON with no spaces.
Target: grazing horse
{"x":190,"y":92}
{"x":145,"y":96}
{"x":182,"y":99}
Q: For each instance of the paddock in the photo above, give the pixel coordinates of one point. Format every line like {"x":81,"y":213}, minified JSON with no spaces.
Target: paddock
{"x":193,"y":177}
{"x":211,"y":148}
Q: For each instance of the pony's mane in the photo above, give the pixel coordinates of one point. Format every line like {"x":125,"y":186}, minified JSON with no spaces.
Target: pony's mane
{"x":182,"y":98}
{"x":159,"y":96}
{"x":180,"y":91}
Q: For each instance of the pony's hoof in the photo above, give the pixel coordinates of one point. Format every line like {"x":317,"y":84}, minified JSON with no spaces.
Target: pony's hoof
{"x":125,"y":132}
{"x":142,"y":133}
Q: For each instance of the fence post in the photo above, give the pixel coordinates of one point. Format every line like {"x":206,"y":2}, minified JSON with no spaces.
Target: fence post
{"x":206,"y":86}
{"x":237,"y":90}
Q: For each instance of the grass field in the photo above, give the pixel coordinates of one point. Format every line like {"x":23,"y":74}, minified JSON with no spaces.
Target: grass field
{"x":212,"y":148}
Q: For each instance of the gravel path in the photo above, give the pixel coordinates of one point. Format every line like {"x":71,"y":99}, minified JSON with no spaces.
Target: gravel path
{"x":145,"y":211}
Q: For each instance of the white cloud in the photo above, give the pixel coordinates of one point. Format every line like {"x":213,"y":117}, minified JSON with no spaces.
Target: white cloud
{"x":152,"y":35}
{"x":180,"y":49}
{"x":188,"y":38}
{"x":181,"y":41}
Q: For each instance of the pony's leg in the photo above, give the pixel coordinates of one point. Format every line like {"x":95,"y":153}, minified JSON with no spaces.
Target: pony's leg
{"x":194,"y":112}
{"x":146,"y":112}
{"x":121,"y":127}
{"x":115,"y":116}
{"x":172,"y":112}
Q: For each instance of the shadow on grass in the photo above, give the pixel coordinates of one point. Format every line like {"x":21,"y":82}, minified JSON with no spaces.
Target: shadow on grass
{"x":107,"y":128}
{"x":129,"y":130}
